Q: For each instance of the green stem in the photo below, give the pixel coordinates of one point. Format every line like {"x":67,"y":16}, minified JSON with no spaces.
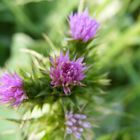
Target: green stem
{"x":81,"y":6}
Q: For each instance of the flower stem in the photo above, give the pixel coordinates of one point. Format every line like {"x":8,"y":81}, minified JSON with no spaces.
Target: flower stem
{"x":81,"y":6}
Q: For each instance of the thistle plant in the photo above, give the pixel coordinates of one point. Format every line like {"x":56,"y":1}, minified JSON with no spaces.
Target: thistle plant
{"x":56,"y":98}
{"x":82,"y":26}
{"x":11,"y":89}
{"x":75,"y":124}
{"x":66,"y":73}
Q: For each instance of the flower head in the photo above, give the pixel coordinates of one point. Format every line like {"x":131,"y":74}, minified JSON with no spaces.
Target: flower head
{"x":76,"y":124}
{"x":82,"y":26}
{"x":65,"y":72}
{"x":11,"y":89}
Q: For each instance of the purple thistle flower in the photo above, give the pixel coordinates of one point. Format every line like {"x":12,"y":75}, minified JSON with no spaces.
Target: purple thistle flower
{"x":11,"y":89}
{"x":76,"y":124}
{"x":82,"y":26}
{"x":66,"y":73}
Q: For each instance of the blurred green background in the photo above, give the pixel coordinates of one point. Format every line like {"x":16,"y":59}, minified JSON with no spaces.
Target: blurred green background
{"x":22,"y":24}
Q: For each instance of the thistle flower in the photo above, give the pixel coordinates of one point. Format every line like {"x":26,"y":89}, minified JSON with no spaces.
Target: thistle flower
{"x":11,"y":89}
{"x":82,"y":26}
{"x":76,"y":124}
{"x":66,"y":73}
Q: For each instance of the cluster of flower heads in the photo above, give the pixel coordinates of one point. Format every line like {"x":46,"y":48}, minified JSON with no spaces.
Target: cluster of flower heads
{"x":82,"y":26}
{"x":63,"y":73}
{"x":76,"y":124}
{"x":66,"y":73}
